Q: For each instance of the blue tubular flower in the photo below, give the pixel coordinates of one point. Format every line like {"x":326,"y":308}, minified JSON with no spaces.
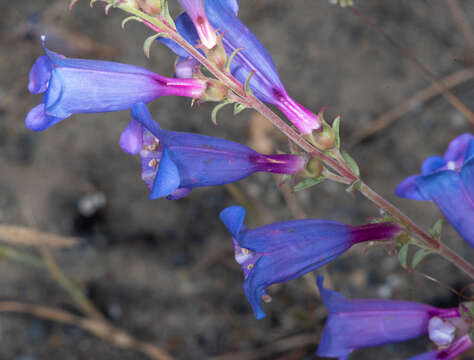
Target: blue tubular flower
{"x":286,"y":250}
{"x":450,"y":353}
{"x":197,"y":12}
{"x":86,"y":86}
{"x":265,"y":83}
{"x":449,"y":182}
{"x":353,"y":324}
{"x":175,"y":162}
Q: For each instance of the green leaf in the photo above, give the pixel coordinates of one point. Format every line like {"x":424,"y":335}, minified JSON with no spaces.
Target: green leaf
{"x":436,"y":229}
{"x":335,"y":127}
{"x":403,"y":255}
{"x":351,"y":162}
{"x":247,"y":81}
{"x":216,"y":110}
{"x":238,"y":108}
{"x":231,"y":57}
{"x":127,"y":19}
{"x":307,"y":183}
{"x":150,"y":40}
{"x":419,"y":256}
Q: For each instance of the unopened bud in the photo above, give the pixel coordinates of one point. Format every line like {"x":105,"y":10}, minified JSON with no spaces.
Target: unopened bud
{"x":151,"y":7}
{"x":215,"y":91}
{"x":218,"y":56}
{"x":324,"y":139}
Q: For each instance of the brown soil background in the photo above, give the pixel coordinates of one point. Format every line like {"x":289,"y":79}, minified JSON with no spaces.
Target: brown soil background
{"x":164,"y":270}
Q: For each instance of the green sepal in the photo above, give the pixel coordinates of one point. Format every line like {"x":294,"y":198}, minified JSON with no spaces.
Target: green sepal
{"x":166,"y":13}
{"x":150,"y":40}
{"x":335,"y":128}
{"x":238,"y":108}
{"x":129,"y":18}
{"x":307,"y":183}
{"x":419,"y":256}
{"x":351,"y":189}
{"x":231,"y":58}
{"x":351,"y":162}
{"x":403,"y":255}
{"x":216,"y":110}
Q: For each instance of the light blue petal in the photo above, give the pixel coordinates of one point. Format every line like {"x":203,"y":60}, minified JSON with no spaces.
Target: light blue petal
{"x":167,"y":178}
{"x":432,"y":164}
{"x":141,"y":114}
{"x":40,"y":74}
{"x":179,"y":194}
{"x":469,"y":151}
{"x":186,"y":29}
{"x":233,"y":218}
{"x":38,"y":120}
{"x":452,"y":192}
{"x":131,"y":139}
{"x":408,"y":189}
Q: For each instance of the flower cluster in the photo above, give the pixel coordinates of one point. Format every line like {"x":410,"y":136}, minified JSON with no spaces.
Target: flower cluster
{"x":173,"y":163}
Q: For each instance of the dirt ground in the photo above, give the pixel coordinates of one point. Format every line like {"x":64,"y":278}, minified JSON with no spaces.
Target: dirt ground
{"x":164,"y":270}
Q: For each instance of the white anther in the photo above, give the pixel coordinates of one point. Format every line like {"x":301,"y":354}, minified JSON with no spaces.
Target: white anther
{"x":441,"y":332}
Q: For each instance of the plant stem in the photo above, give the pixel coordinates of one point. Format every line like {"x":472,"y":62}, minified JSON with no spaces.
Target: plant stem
{"x":161,"y":25}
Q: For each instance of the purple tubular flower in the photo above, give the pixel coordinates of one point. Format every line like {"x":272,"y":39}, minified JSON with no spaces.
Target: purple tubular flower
{"x":86,"y":86}
{"x":197,"y":12}
{"x":175,"y":162}
{"x":449,"y":182}
{"x":353,"y":324}
{"x":450,"y":353}
{"x":283,"y":251}
{"x":265,"y":82}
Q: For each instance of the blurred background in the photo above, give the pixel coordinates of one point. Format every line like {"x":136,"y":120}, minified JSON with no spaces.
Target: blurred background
{"x":163,"y":271}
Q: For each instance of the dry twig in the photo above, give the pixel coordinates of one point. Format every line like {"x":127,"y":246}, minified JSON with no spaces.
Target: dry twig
{"x":397,"y":112}
{"x":99,"y":328}
{"x":19,"y":235}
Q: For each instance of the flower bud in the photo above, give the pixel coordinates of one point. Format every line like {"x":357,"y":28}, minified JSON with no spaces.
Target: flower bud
{"x":217,"y":55}
{"x":313,"y":168}
{"x":215,"y":91}
{"x":324,"y":139}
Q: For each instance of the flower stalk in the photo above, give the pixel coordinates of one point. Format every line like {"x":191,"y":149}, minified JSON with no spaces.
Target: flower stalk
{"x":161,"y":25}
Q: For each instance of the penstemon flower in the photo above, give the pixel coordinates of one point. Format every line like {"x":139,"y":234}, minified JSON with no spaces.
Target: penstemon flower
{"x":265,"y":82}
{"x":354,"y":324}
{"x":449,"y":182}
{"x":283,"y":251}
{"x":175,"y":162}
{"x":73,"y":86}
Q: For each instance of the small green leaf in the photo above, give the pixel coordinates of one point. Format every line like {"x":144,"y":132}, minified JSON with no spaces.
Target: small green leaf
{"x":238,"y":108}
{"x":150,"y":40}
{"x":127,"y":19}
{"x":335,"y":127}
{"x":247,"y":81}
{"x":351,"y":162}
{"x":231,"y":58}
{"x":307,"y":183}
{"x":419,"y":256}
{"x":216,"y":110}
{"x":436,"y":229}
{"x":403,"y":255}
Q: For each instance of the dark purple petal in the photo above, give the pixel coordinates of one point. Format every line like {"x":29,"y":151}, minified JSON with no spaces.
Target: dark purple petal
{"x":408,"y":189}
{"x":179,"y":194}
{"x":432,"y":164}
{"x":452,"y":193}
{"x":40,"y":74}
